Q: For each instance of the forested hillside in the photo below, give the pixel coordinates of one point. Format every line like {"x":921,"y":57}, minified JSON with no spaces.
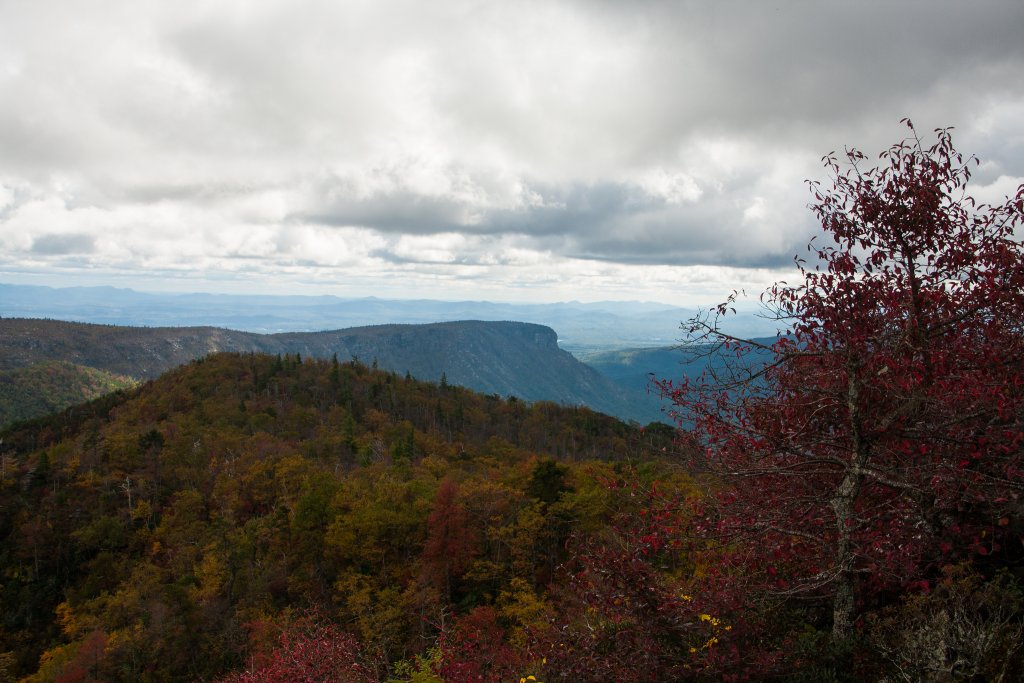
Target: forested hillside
{"x":51,"y":386}
{"x":638,"y":369}
{"x":166,"y":533}
{"x":505,"y":358}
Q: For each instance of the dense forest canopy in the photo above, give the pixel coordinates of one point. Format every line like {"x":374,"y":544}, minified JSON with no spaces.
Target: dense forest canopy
{"x":165,"y":531}
{"x":51,"y":386}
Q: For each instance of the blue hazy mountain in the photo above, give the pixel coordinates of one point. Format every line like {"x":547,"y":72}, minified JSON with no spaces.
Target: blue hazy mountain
{"x":581,"y":327}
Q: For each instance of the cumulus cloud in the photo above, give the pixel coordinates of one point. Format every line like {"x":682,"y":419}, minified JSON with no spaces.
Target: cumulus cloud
{"x":537,"y":147}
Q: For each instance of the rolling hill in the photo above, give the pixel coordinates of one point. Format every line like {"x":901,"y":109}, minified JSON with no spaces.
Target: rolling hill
{"x":505,"y":358}
{"x":51,"y":386}
{"x":154,"y":534}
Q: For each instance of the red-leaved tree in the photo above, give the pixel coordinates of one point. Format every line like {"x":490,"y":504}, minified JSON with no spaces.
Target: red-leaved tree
{"x":625,"y":614}
{"x":884,"y":436}
{"x":309,"y":650}
{"x":474,"y":650}
{"x":451,"y":541}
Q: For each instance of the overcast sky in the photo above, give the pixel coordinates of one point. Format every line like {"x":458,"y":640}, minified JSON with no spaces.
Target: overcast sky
{"x":517,"y":151}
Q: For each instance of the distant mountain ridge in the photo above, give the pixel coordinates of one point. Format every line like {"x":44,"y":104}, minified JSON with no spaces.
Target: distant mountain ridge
{"x":581,"y":326}
{"x":506,"y":358}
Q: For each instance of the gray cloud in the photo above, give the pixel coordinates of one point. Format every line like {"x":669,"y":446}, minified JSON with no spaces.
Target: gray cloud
{"x":60,"y":245}
{"x":610,"y":221}
{"x":514,"y":136}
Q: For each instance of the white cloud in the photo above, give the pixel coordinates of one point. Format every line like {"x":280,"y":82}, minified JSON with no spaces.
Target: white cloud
{"x":998,"y":191}
{"x":490,"y":148}
{"x":6,"y":197}
{"x":671,"y":187}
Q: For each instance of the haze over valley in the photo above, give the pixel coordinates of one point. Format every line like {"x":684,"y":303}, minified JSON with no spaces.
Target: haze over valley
{"x":581,"y":327}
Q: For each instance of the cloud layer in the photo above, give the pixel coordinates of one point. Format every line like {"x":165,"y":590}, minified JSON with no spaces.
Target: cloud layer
{"x":544,"y":150}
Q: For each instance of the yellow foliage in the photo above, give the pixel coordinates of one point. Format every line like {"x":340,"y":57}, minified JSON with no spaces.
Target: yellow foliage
{"x":521,"y":606}
{"x":142,"y":510}
{"x":75,"y":623}
{"x":211,"y":573}
{"x":7,"y":664}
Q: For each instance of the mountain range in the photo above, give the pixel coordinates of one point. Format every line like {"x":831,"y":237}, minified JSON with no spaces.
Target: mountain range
{"x":581,"y":327}
{"x":504,"y":358}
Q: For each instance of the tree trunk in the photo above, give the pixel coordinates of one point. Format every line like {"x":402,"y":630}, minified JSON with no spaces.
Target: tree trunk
{"x":843,"y":600}
{"x":842,"y":607}
{"x":843,"y":505}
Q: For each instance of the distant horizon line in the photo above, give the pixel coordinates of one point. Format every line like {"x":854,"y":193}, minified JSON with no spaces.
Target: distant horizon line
{"x":175,"y":293}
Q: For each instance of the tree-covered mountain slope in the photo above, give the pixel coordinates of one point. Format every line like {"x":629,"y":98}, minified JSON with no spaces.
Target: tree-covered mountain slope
{"x":637,"y":369}
{"x":50,"y":386}
{"x":165,"y":532}
{"x":505,"y":358}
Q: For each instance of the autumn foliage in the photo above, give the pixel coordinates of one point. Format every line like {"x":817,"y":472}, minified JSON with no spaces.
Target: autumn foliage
{"x":308,"y":650}
{"x":884,"y":437}
{"x":172,"y":532}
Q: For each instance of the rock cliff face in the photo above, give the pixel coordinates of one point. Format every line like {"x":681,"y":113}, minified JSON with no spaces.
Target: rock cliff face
{"x":506,"y":358}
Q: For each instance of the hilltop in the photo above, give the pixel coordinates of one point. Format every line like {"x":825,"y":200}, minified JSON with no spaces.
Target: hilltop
{"x":505,"y":358}
{"x":160,"y":533}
